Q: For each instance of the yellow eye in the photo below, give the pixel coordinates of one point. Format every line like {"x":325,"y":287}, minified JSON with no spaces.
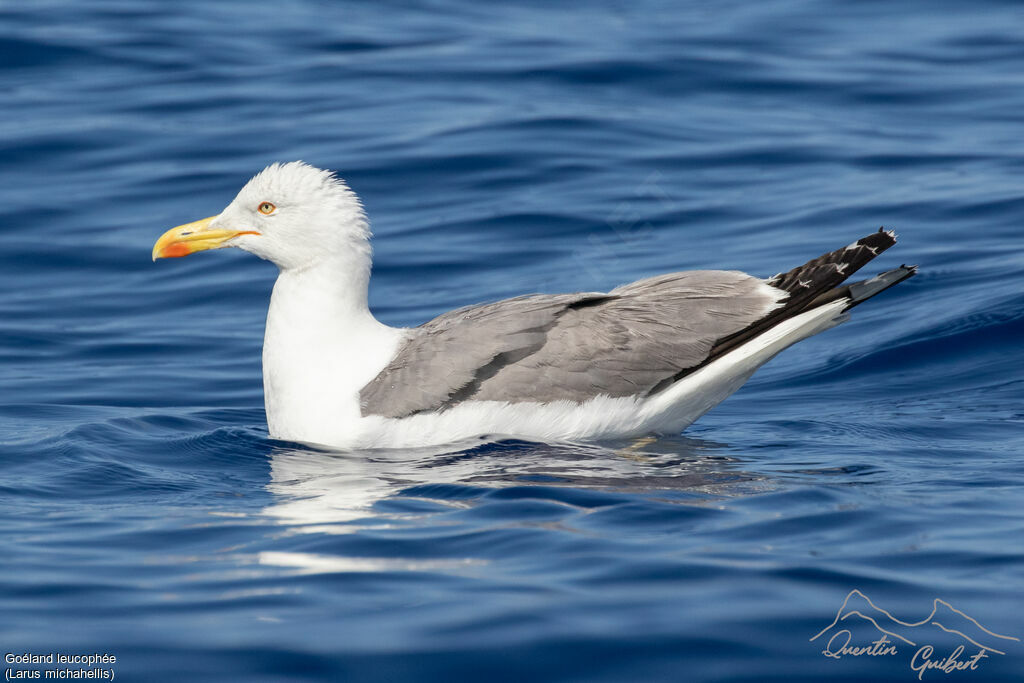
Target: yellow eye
{"x":266,"y":208}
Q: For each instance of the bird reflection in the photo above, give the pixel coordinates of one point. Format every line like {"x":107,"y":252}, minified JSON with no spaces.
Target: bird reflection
{"x":340,"y":492}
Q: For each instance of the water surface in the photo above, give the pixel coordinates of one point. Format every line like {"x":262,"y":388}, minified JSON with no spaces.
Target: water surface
{"x":499,"y":151}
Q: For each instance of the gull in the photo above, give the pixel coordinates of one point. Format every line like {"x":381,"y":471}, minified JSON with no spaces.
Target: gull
{"x":646,"y":358}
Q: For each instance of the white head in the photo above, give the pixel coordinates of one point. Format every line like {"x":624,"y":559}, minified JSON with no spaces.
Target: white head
{"x":292,"y":214}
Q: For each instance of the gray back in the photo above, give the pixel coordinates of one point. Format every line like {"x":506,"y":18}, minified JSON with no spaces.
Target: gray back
{"x":570,"y":346}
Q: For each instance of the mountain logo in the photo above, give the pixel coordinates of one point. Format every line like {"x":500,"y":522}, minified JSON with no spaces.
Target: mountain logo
{"x":896,"y":635}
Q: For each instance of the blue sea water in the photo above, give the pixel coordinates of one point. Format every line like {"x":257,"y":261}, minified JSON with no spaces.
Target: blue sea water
{"x":503,"y":149}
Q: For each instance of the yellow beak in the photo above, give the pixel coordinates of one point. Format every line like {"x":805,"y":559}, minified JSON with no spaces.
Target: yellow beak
{"x":192,"y":237}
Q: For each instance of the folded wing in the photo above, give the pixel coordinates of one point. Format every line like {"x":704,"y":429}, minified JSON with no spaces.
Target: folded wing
{"x":569,"y":347}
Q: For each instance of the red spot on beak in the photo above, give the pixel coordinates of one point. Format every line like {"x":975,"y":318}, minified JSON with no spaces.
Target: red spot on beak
{"x":175,"y":250}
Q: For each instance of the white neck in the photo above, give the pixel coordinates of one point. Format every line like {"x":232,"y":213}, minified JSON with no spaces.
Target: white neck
{"x":322,"y":345}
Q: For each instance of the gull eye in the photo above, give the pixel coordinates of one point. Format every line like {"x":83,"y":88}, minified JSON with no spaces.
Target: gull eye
{"x":266,"y":208}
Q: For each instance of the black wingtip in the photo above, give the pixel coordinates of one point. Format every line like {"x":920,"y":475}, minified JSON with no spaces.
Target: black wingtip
{"x":831,"y":269}
{"x":859,"y":292}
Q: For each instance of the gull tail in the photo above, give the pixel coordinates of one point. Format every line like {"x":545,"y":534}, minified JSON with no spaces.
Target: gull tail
{"x":817,"y":300}
{"x":819,"y":282}
{"x":858,"y":292}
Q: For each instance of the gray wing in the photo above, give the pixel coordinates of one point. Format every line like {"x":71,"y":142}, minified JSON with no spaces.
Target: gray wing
{"x":568,"y":347}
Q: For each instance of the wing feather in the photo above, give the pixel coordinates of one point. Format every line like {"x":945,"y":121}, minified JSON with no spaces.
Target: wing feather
{"x":568,"y":347}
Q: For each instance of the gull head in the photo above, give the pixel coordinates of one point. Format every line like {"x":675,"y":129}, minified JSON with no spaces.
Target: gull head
{"x":292,"y":214}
